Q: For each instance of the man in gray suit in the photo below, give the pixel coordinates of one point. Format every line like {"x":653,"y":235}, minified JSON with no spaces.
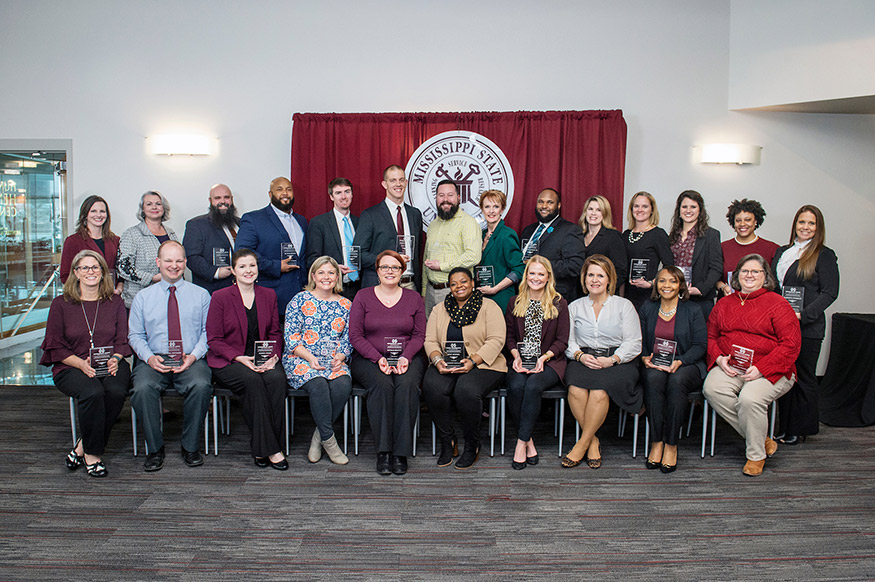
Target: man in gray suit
{"x":380,"y":226}
{"x":332,"y":234}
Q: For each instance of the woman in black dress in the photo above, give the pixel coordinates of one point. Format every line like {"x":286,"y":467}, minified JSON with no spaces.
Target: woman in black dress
{"x":695,"y":247}
{"x":646,"y":247}
{"x":808,"y":267}
{"x":601,"y":238}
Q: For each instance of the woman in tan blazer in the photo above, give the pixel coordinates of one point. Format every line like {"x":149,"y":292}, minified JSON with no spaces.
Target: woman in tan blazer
{"x":463,"y":339}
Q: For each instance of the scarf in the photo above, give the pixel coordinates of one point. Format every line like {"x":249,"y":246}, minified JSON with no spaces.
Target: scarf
{"x":462,"y":316}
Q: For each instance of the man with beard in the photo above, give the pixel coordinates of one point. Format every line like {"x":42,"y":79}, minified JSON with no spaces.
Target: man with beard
{"x":277,"y":236}
{"x":332,"y":234}
{"x":558,"y":240}
{"x":453,"y":240}
{"x":380,"y":227}
{"x":209,"y":241}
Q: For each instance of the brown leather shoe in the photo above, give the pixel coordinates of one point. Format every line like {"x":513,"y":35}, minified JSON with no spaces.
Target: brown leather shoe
{"x":753,"y":468}
{"x":771,"y":447}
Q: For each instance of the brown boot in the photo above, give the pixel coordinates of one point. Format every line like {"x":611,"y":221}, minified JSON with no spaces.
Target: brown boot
{"x":771,"y":447}
{"x":753,"y":468}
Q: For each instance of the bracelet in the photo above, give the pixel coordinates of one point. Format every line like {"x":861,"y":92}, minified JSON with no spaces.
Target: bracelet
{"x":116,"y":357}
{"x":435,"y":360}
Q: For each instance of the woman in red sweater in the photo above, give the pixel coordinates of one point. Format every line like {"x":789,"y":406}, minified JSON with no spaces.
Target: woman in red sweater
{"x":753,"y":343}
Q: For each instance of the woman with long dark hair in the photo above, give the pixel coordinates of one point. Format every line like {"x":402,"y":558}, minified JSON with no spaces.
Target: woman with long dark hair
{"x":93,"y":232}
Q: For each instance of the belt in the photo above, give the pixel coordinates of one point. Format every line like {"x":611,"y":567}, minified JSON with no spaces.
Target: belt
{"x":439,"y":285}
{"x":600,"y":352}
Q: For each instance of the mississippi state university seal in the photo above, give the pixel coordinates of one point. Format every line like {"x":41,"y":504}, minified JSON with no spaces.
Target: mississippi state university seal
{"x":470,"y":160}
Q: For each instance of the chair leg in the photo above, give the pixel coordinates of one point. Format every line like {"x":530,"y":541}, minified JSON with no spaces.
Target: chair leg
{"x":433,"y":439}
{"x":646,"y":436}
{"x":503,"y":421}
{"x":207,"y":432}
{"x":556,"y":422}
{"x":635,"y":437}
{"x":287,"y":425}
{"x":415,"y":431}
{"x":492,"y":427}
{"x":713,"y":428}
{"x":73,"y":419}
{"x":356,"y":422}
{"x":345,"y":426}
{"x":134,"y":428}
{"x":560,"y":406}
{"x":772,"y":421}
{"x":704,"y":427}
{"x":690,"y":421}
{"x":217,"y":416}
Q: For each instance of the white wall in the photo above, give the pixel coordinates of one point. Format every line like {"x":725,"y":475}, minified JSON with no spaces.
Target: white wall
{"x":107,"y":74}
{"x":795,"y":51}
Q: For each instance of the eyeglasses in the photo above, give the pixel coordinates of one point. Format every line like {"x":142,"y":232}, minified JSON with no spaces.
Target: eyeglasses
{"x":754,"y":272}
{"x":86,"y":269}
{"x":389,"y":268}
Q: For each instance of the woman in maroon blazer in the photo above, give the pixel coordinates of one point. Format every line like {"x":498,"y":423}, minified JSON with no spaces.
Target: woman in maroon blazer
{"x":241,"y":318}
{"x":93,"y":233}
{"x":537,"y":330}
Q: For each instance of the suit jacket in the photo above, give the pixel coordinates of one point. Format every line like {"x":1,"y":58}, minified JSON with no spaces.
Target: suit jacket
{"x":554,"y":335}
{"x":227,"y":325}
{"x":262,"y":232}
{"x":563,"y":245}
{"x":690,"y":332}
{"x":609,"y":242}
{"x":707,"y":265}
{"x":820,"y":291}
{"x":75,"y":243}
{"x":504,"y":254}
{"x":200,"y":238}
{"x":323,"y":238}
{"x":376,"y":233}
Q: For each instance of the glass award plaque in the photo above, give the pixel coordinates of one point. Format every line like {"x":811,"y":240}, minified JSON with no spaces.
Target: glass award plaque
{"x":484,"y":275}
{"x":663,"y":352}
{"x":740,"y":359}
{"x":175,"y":354}
{"x":688,"y":275}
{"x":354,"y":254}
{"x":221,"y":257}
{"x":394,"y":349}
{"x":795,"y":296}
{"x":638,"y":269}
{"x":263,"y":352}
{"x":404,"y":246}
{"x":529,"y":354}
{"x":288,"y":251}
{"x":454,"y":353}
{"x":529,"y":250}
{"x":100,"y":359}
{"x":326,"y":354}
{"x":729,"y":282}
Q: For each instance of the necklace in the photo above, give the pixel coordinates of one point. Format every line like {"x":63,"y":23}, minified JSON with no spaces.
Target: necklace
{"x":634,"y":239}
{"x":90,"y":327}
{"x":669,"y":313}
{"x":743,"y":299}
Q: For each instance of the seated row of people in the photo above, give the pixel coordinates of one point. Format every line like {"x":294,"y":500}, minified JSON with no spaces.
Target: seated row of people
{"x":752,"y":347}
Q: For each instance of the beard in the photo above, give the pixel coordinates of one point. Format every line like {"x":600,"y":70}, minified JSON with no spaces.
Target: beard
{"x":282,"y":207}
{"x":222,"y":218}
{"x":548,"y":218}
{"x":447,"y":214}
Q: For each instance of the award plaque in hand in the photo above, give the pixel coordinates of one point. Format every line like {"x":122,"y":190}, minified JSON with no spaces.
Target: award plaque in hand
{"x":100,"y":359}
{"x":740,"y":359}
{"x":529,"y":354}
{"x":355,"y":261}
{"x":663,"y":352}
{"x":454,"y":353}
{"x":175,"y":354}
{"x":638,"y":269}
{"x":221,"y":257}
{"x":795,"y":296}
{"x":263,"y":352}
{"x":394,"y":349}
{"x":484,"y":275}
{"x":288,"y":251}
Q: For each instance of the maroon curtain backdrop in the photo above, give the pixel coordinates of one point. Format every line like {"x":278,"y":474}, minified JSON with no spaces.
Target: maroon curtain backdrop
{"x":580,"y":153}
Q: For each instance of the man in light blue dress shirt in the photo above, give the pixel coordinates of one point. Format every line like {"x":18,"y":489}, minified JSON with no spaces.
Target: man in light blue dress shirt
{"x":149,"y":335}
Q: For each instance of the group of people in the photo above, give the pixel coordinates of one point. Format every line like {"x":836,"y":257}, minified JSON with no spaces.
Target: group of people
{"x":277,"y":302}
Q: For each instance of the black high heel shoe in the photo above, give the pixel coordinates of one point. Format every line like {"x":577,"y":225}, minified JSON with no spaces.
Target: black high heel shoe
{"x":74,"y":461}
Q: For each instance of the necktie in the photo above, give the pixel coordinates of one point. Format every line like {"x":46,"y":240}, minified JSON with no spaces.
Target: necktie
{"x":174,"y":332}
{"x":233,"y":231}
{"x":538,"y":232}
{"x":399,"y":222}
{"x":347,"y":235}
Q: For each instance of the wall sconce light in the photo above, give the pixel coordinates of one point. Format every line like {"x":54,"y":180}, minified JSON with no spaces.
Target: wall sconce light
{"x":727,"y":153}
{"x":182,"y":145}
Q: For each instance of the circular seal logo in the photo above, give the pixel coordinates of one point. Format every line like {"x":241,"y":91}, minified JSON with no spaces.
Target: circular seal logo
{"x":470,"y":160}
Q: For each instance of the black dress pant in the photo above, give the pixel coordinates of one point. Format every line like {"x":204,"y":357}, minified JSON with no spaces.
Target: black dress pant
{"x":100,"y":400}
{"x":524,"y":398}
{"x":798,"y":408}
{"x":665,"y":396}
{"x":393,"y":403}
{"x":264,"y":401}
{"x":441,"y":391}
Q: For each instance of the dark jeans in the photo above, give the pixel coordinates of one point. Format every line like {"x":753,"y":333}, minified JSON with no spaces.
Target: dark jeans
{"x":441,"y":391}
{"x":327,"y":399}
{"x":798,"y":408}
{"x":393,"y":403}
{"x":264,"y":400}
{"x":524,"y":398}
{"x":665,"y":396}
{"x":99,"y":400}
{"x":196,"y":388}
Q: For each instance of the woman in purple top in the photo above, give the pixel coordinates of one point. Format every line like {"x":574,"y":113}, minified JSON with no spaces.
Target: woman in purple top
{"x":387,"y":330}
{"x":86,"y":341}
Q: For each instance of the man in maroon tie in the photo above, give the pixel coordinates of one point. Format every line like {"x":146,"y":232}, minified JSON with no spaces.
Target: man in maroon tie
{"x":381,"y":226}
{"x":167,"y":331}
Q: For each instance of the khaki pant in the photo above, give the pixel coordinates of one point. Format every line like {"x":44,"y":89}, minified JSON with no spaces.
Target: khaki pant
{"x":433,"y":297}
{"x":745,"y":406}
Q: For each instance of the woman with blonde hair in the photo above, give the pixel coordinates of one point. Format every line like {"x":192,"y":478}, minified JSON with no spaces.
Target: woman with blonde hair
{"x":317,"y":351}
{"x":600,"y":237}
{"x":647,"y":247}
{"x":537,"y":335}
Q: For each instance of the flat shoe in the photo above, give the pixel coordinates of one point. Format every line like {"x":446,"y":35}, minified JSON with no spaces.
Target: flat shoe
{"x":384,"y":463}
{"x":399,"y":464}
{"x":533,"y":460}
{"x":570,"y":463}
{"x":595,"y":463}
{"x":97,"y":469}
{"x":74,"y":461}
{"x":262,"y":462}
{"x":282,"y":465}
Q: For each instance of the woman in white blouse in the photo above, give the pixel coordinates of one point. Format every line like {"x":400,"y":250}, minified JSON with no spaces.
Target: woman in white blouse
{"x":603,"y":346}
